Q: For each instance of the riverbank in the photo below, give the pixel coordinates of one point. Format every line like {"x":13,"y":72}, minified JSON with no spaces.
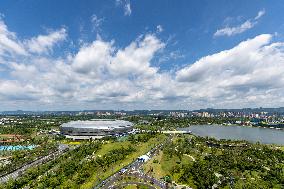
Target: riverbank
{"x":233,"y":125}
{"x":247,"y":133}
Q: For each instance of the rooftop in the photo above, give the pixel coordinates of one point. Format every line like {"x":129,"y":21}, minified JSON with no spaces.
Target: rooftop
{"x":99,"y":124}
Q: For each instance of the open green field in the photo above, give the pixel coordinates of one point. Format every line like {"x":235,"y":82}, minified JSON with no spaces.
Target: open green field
{"x":141,"y":148}
{"x":161,"y":165}
{"x":132,"y":186}
{"x":155,"y":164}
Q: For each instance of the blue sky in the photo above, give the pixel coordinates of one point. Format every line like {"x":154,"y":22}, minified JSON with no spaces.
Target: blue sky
{"x":123,"y":54}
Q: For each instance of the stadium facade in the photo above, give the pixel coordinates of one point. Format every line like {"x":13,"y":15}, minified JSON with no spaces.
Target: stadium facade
{"x":96,"y":128}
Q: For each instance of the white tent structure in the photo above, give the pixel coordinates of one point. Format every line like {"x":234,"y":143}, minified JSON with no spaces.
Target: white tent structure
{"x":143,"y":158}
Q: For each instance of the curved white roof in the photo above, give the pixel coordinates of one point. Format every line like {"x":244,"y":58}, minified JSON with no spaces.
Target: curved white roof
{"x":107,"y":124}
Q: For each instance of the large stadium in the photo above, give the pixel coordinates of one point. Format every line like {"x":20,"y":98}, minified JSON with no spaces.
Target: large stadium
{"x":96,"y":128}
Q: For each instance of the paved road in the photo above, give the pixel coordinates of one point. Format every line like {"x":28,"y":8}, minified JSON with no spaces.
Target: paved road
{"x":18,"y":172}
{"x":134,"y":169}
{"x":147,"y":178}
{"x":136,"y":183}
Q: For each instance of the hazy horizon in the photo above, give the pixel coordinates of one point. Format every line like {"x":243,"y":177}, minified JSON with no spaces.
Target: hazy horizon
{"x":77,"y":110}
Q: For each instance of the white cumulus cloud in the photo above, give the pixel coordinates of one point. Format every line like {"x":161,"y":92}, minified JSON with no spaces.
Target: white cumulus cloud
{"x":101,"y":74}
{"x":9,"y":42}
{"x":44,"y":43}
{"x":242,"y":76}
{"x":248,"y":24}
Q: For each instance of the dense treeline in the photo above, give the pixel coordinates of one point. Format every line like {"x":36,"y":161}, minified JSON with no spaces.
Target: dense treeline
{"x":48,"y":175}
{"x":244,"y":166}
{"x":171,"y":123}
{"x":142,"y":137}
{"x":21,"y":157}
{"x":72,"y":169}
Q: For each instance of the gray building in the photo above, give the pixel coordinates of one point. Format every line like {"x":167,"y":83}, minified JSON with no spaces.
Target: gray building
{"x":96,"y":128}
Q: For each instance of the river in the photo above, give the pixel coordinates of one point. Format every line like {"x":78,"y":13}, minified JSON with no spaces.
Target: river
{"x":251,"y":134}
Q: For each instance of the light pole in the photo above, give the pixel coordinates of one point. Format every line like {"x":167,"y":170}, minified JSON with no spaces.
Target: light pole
{"x":231,"y":182}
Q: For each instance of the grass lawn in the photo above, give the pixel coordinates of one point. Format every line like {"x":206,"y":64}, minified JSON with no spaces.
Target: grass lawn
{"x":165,"y":164}
{"x":74,"y":143}
{"x":68,"y":142}
{"x":111,"y":146}
{"x":141,"y":148}
{"x":158,"y":172}
{"x":132,"y":186}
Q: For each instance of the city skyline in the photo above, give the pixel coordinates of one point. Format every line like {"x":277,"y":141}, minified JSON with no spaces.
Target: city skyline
{"x":125,"y":54}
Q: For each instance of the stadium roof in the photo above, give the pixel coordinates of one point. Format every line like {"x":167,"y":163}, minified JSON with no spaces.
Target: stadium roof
{"x":107,"y":124}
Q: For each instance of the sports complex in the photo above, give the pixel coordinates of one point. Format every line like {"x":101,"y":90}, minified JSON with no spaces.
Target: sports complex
{"x":96,"y":128}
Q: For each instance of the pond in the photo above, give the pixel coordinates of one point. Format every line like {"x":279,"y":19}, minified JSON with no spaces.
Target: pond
{"x":18,"y":147}
{"x":251,"y":134}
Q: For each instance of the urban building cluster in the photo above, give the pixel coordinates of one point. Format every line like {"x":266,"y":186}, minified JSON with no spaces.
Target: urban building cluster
{"x":9,"y":120}
{"x":271,"y":117}
{"x":102,"y":113}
